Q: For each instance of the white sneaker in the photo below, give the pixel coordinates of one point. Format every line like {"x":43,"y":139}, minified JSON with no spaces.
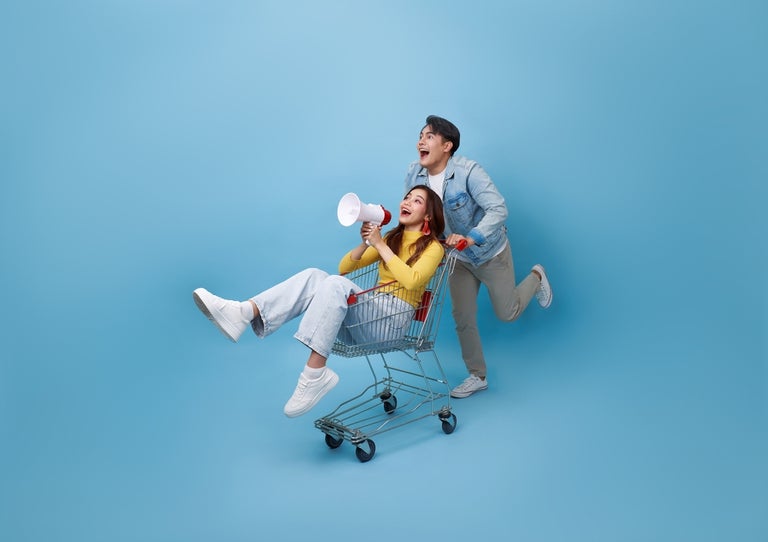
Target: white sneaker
{"x":224,"y":313}
{"x":544,"y":292}
{"x":470,"y":385}
{"x":309,"y":392}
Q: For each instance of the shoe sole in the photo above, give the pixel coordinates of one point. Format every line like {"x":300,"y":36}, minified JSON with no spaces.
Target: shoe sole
{"x":323,"y":391}
{"x":228,"y":333}
{"x":463,"y":394}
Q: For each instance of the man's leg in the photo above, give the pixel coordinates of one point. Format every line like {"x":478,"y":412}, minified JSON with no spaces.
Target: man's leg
{"x":508,"y":300}
{"x":464,"y":289}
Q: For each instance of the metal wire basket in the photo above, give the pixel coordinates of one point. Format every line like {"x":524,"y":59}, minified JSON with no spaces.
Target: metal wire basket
{"x":400,"y":394}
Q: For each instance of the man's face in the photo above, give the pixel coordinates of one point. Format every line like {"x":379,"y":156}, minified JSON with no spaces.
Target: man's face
{"x":434,"y":151}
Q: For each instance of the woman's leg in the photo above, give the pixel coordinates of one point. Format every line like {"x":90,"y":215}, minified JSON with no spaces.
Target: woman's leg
{"x":318,"y":330}
{"x":377,"y":320}
{"x":274,"y":306}
{"x":285,"y":301}
{"x":325,"y":313}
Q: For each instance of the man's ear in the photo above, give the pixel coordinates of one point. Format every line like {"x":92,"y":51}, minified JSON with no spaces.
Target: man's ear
{"x":447,"y":146}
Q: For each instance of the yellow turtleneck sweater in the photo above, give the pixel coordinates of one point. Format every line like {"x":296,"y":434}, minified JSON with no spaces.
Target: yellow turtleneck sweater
{"x":410,"y":281}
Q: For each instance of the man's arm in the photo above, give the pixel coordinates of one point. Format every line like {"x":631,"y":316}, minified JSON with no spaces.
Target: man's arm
{"x":487,"y":196}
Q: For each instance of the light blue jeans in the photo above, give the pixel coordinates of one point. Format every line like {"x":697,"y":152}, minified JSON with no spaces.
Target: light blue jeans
{"x":322,"y":299}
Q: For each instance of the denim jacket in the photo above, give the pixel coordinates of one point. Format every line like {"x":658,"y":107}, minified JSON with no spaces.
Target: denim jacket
{"x":472,"y":204}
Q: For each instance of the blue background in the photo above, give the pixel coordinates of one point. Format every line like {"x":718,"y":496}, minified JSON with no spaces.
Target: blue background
{"x":151,"y":147}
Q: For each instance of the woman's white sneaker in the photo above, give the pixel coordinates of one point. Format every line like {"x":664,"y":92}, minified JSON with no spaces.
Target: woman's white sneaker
{"x":226,"y":314}
{"x":309,"y":391}
{"x":470,"y":385}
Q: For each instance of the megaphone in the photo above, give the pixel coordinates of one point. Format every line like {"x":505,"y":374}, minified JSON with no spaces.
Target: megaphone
{"x":352,"y":210}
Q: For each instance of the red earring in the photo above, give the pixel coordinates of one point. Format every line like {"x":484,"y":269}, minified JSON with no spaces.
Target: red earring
{"x":425,"y":230}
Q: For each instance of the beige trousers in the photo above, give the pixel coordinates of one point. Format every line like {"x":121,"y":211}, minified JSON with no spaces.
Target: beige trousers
{"x":509,"y":301}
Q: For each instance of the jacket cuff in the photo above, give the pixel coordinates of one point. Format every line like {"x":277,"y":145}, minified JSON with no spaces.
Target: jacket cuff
{"x":477,"y":237}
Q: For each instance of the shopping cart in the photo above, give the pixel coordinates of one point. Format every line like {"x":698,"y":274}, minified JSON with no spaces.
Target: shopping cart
{"x":399,"y":395}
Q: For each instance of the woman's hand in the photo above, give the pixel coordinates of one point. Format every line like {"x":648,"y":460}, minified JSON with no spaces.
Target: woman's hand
{"x":374,"y":235}
{"x":370,"y":233}
{"x":366,"y":231}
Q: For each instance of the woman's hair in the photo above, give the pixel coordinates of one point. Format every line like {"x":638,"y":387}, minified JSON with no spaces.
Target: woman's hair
{"x":436,"y":220}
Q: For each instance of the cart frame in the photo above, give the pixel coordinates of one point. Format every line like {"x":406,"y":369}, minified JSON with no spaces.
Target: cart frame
{"x":398,"y":395}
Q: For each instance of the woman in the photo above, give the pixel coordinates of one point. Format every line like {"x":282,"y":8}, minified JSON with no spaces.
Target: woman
{"x":408,"y":255}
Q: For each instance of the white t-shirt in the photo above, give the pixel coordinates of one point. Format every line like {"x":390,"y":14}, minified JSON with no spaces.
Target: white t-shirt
{"x":436,"y":183}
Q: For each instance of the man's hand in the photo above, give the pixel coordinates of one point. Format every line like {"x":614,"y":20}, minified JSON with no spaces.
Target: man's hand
{"x":454,"y":239}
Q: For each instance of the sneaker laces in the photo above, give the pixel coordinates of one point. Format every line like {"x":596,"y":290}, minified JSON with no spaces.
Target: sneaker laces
{"x":468,"y":383}
{"x":301,"y":388}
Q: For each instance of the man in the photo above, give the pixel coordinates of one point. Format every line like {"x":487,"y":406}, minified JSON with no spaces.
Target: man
{"x":475,"y":212}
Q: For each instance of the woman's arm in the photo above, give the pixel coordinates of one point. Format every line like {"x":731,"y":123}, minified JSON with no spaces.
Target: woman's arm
{"x":372,"y":236}
{"x":418,"y":274}
{"x":349,"y":263}
{"x":362,"y":254}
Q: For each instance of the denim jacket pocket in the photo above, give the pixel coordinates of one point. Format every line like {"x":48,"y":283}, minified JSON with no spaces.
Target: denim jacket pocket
{"x":460,"y":211}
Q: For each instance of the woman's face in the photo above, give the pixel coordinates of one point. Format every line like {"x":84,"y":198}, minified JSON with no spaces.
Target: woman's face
{"x":413,"y":209}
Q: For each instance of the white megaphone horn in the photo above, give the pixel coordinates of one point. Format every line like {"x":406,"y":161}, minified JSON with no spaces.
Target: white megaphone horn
{"x":352,"y":210}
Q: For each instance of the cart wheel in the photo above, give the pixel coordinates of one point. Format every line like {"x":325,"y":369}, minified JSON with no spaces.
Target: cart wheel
{"x":364,"y":456}
{"x":390,"y":404}
{"x":449,"y":423}
{"x":333,"y":443}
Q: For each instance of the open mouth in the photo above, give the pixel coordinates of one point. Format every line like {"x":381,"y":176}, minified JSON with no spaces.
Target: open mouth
{"x":405,"y":212}
{"x":423,"y":153}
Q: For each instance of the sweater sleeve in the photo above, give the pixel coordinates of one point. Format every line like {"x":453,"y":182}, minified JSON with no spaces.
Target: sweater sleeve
{"x":417,"y":276}
{"x":347,"y":264}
